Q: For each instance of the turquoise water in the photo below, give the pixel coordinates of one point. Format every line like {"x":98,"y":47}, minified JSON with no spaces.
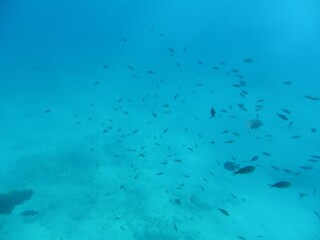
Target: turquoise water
{"x":128,"y":119}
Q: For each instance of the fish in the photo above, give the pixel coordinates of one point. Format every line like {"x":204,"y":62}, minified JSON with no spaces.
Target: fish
{"x":266,"y":154}
{"x":254,"y":124}
{"x":280,"y":184}
{"x":175,"y":227}
{"x":29,"y":213}
{"x":302,"y":195}
{"x":212,"y":112}
{"x":282,"y":116}
{"x":314,"y":98}
{"x":245,"y":170}
{"x":242,"y":107}
{"x":230,"y":166}
{"x":130,"y":67}
{"x":247,"y":60}
{"x":286,"y":111}
{"x":313,"y":130}
{"x":224,"y":212}
{"x":287,"y":83}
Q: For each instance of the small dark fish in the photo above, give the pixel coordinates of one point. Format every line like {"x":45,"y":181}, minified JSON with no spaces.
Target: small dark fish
{"x":229,"y":141}
{"x":314,"y":98}
{"x":287,"y":83}
{"x":295,"y":136}
{"x":275,"y":168}
{"x":266,"y":154}
{"x":254,"y":124}
{"x":247,"y":60}
{"x":130,"y":67}
{"x":165,"y":130}
{"x":287,"y":170}
{"x":282,"y":116}
{"x":313,"y":130}
{"x":240,"y":237}
{"x":150,"y":72}
{"x":175,"y":227}
{"x":245,"y":170}
{"x":240,"y":76}
{"x":242,"y":83}
{"x":254,"y":158}
{"x":286,"y":111}
{"x":29,"y":213}
{"x":212,"y":112}
{"x":242,"y":107}
{"x":230,"y":166}
{"x":224,"y":212}
{"x":317,"y":214}
{"x":47,"y":111}
{"x":280,"y":184}
{"x":306,"y":167}
{"x":302,"y":195}
{"x":106,"y":66}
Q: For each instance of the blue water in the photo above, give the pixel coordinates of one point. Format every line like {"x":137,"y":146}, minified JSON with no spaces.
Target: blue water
{"x":105,"y":113}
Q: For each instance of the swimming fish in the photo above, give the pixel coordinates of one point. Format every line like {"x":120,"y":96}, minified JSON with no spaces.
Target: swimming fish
{"x":212,"y":112}
{"x":245,"y":170}
{"x":254,"y":124}
{"x":224,"y":212}
{"x":29,"y":213}
{"x":230,"y":166}
{"x":283,"y":117}
{"x":280,"y":184}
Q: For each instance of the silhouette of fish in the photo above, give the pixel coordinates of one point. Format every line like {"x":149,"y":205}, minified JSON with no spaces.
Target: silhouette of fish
{"x":230,"y":166}
{"x":29,"y":213}
{"x":254,"y":124}
{"x":280,"y":184}
{"x":245,"y":170}
{"x":212,"y":112}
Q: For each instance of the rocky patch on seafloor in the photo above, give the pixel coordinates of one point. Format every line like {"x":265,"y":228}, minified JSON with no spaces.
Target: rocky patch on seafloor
{"x":9,"y":200}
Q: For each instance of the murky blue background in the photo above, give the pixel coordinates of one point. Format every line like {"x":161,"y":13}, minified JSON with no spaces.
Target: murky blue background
{"x":105,"y":114}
